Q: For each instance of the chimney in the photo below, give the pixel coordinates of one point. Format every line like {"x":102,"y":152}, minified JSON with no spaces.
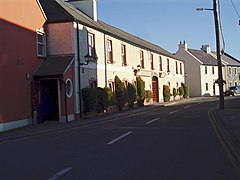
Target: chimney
{"x":206,"y":48}
{"x":88,"y":7}
{"x":183,"y":45}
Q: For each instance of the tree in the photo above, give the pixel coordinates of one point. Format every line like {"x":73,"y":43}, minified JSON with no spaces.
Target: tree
{"x":132,"y":94}
{"x":121,"y":93}
{"x":140,"y":91}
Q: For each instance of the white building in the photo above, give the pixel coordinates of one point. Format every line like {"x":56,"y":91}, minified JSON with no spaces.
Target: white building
{"x":74,"y":29}
{"x":201,"y":70}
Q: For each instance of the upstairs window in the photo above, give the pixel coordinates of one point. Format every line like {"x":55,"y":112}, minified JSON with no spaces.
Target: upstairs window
{"x":205,"y":69}
{"x":160,"y":63}
{"x":142,"y":59}
{"x":41,"y":44}
{"x":180,"y":68}
{"x":168,"y":66}
{"x":151,"y":61}
{"x":91,"y":45}
{"x":213,"y":71}
{"x":109,"y":51}
{"x":229,"y":71}
{"x":176,"y":67}
{"x":123,"y":54}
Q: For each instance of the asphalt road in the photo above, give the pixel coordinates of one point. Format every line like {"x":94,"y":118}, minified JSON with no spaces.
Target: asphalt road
{"x":168,"y":143}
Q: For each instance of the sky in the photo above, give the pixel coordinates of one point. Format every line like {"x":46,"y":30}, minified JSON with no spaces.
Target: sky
{"x":167,"y":22}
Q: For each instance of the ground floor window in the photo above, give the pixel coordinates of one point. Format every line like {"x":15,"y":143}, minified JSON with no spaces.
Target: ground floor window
{"x":69,"y":88}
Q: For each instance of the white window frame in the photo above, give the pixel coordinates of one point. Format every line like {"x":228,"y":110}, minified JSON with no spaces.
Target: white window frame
{"x":41,"y":44}
{"x":69,"y":93}
{"x":91,"y":44}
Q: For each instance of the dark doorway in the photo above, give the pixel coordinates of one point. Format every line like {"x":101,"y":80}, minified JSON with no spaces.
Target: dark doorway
{"x":49,"y":99}
{"x":155,"y":89}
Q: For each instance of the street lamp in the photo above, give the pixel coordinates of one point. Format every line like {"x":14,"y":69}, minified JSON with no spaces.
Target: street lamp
{"x":218,"y":44}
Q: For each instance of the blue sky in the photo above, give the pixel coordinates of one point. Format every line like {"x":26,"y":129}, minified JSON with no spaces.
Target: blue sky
{"x":167,"y":22}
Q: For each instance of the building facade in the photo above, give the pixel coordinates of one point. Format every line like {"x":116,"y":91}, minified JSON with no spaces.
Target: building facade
{"x":70,"y":49}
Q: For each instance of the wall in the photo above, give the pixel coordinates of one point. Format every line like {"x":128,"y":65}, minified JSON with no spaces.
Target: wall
{"x":19,"y":21}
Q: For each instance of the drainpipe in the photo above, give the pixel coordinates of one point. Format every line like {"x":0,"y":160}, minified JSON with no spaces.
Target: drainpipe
{"x":79,"y":71}
{"x":65,"y":99}
{"x":105,"y":59}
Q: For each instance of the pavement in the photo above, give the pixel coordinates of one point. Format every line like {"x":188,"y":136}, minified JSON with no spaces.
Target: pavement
{"x":226,"y":122}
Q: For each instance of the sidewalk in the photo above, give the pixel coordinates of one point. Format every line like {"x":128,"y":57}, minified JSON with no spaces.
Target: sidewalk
{"x":230,"y":119}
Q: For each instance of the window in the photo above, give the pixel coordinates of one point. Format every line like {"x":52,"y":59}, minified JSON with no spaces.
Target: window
{"x":205,"y":69}
{"x":91,"y":45}
{"x":123,"y":54}
{"x":109,"y":51}
{"x":229,"y":71}
{"x":235,"y":70}
{"x":160,"y":63}
{"x":176,"y":67}
{"x":168,"y":66}
{"x":142,"y":59}
{"x":181,"y":68}
{"x":151,"y":61}
{"x":206,"y":86}
{"x":41,"y":44}
{"x":230,"y":83}
{"x":213,"y":70}
{"x":69,"y":88}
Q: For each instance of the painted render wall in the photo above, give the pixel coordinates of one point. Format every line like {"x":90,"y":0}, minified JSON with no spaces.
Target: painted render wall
{"x":19,"y":21}
{"x":192,"y":72}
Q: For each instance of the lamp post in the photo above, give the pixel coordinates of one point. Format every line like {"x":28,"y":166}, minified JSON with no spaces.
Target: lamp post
{"x":218,"y":44}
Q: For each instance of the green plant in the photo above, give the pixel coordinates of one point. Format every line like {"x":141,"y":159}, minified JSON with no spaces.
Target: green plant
{"x":89,"y":99}
{"x":185,"y":89}
{"x":110,"y":95}
{"x":181,"y":91}
{"x":140,"y":91}
{"x":174,"y":92}
{"x":166,"y":93}
{"x":148,"y":95}
{"x":102,"y":100}
{"x":121,"y":93}
{"x":132,"y":94}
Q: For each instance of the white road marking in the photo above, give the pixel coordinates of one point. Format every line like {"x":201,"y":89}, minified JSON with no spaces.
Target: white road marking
{"x":149,"y":122}
{"x":60,"y":173}
{"x":173,"y":112}
{"x":119,"y":138}
{"x":187,"y":107}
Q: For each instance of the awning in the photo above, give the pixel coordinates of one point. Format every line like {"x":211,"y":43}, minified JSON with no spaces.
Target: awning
{"x":54,"y":66}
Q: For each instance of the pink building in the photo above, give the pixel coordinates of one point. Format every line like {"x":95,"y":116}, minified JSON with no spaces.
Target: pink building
{"x":32,"y":84}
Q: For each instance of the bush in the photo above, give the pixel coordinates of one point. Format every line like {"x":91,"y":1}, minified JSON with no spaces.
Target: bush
{"x":121,"y":94}
{"x":174,"y":92}
{"x":110,"y":95}
{"x":102,"y":100}
{"x":186,"y":91}
{"x":181,"y":91}
{"x":132,"y":94}
{"x":148,"y":95}
{"x":166,"y":93}
{"x":140,"y":91}
{"x":89,"y":99}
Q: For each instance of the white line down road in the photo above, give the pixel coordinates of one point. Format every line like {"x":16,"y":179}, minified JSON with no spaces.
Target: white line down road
{"x":173,"y":112}
{"x":149,"y":122}
{"x":119,"y":138}
{"x":60,"y":173}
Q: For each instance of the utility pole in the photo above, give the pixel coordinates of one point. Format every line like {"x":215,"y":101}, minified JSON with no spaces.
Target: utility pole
{"x":218,"y":44}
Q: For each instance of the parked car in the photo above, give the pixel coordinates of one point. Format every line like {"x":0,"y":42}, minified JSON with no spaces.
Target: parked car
{"x":232,"y":91}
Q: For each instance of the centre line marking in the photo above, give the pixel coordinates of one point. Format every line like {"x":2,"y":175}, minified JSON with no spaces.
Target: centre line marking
{"x":60,"y":173}
{"x":187,"y":107}
{"x":119,"y":138}
{"x":173,"y":112}
{"x":149,"y":122}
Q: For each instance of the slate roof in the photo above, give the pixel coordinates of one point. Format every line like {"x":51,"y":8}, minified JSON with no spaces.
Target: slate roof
{"x":54,"y":66}
{"x":60,"y":11}
{"x":231,"y":61}
{"x":204,"y":57}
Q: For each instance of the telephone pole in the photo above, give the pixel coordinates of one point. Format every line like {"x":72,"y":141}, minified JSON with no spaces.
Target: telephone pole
{"x":218,"y":44}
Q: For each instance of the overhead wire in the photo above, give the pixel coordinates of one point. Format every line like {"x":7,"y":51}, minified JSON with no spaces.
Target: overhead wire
{"x":235,"y":9}
{"x":223,"y":40}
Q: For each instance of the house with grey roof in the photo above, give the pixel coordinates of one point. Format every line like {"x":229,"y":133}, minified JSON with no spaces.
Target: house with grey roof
{"x":201,"y":70}
{"x":100,"y":52}
{"x":232,"y":69}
